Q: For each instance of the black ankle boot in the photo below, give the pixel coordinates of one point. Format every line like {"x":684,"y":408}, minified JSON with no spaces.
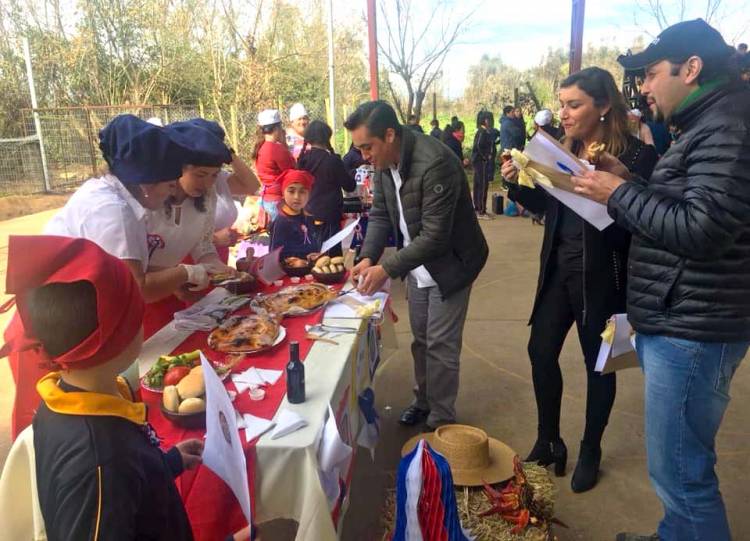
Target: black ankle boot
{"x":545,"y":453}
{"x":586,"y":473}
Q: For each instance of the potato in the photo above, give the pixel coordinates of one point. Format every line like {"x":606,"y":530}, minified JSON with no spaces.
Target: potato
{"x":191,"y":386}
{"x":171,"y":398}
{"x":323,"y":261}
{"x":338,"y":260}
{"x":192,"y":405}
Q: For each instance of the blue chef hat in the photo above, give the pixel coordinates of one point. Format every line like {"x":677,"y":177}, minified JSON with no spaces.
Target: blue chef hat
{"x":141,"y":153}
{"x":207,"y":148}
{"x":209,"y":125}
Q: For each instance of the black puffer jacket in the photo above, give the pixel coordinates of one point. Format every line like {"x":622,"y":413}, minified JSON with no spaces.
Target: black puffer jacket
{"x":689,"y":267}
{"x":605,"y":253}
{"x":445,"y":235}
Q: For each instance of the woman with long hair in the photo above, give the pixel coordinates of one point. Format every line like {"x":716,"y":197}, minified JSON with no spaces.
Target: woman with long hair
{"x":583,"y":271}
{"x":272,"y":157}
{"x":483,"y":154}
{"x":331,"y":177}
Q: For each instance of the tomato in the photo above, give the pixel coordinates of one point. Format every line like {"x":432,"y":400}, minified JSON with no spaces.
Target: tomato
{"x":175,"y":374}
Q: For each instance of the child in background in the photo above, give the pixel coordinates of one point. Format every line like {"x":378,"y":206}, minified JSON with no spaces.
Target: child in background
{"x":100,"y":473}
{"x":296,"y":231}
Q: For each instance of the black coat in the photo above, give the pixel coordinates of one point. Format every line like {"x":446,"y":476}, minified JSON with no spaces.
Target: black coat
{"x":352,"y":160}
{"x":690,"y":258}
{"x":326,"y":200}
{"x":483,"y":150}
{"x":605,"y":253}
{"x":445,"y":234}
{"x":455,"y":145}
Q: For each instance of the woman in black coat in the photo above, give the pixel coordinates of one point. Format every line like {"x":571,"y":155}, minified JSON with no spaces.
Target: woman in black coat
{"x":583,"y":271}
{"x":331,"y":177}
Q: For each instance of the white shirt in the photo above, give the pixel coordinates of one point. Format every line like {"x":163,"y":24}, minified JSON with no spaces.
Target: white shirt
{"x":185,"y":231}
{"x":104,"y":212}
{"x":420,"y":274}
{"x":226,"y":210}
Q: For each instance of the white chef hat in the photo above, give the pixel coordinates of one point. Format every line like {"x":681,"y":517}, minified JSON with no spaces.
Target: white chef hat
{"x":268,"y":117}
{"x":156,"y":121}
{"x":297,"y":111}
{"x":543,"y":117}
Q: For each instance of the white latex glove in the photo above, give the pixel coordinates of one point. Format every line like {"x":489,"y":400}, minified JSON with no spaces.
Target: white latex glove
{"x":217,"y":267}
{"x":197,"y":277}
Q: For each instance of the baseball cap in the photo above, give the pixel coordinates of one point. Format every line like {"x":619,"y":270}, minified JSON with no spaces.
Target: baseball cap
{"x":681,"y":41}
{"x":269,"y":117}
{"x":297,"y":111}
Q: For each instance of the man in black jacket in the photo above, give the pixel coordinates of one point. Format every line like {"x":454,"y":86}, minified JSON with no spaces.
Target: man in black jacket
{"x":421,"y":196}
{"x":689,"y":268}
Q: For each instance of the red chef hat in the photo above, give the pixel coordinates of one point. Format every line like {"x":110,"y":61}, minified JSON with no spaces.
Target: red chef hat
{"x":295,"y":176}
{"x":34,"y":261}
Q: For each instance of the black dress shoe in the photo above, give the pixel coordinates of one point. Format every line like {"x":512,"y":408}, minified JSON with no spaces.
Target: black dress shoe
{"x":413,"y":415}
{"x":545,"y":453}
{"x":586,"y":474}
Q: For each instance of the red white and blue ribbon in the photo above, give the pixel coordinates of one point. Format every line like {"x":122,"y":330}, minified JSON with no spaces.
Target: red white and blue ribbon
{"x":426,"y":508}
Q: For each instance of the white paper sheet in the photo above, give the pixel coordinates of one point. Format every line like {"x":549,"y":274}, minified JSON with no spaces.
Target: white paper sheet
{"x":268,"y":268}
{"x":542,"y":149}
{"x":591,"y":211}
{"x":287,"y":421}
{"x":223,"y":452}
{"x":338,"y":237}
{"x":339,"y":308}
{"x":257,"y":376}
{"x":621,"y":344}
{"x":333,"y":458}
{"x":621,"y":353}
{"x":256,"y":426}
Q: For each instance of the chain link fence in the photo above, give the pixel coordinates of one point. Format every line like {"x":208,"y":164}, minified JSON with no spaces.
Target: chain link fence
{"x":70,"y":139}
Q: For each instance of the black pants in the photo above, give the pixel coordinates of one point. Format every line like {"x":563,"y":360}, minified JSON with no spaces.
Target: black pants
{"x":561,"y":304}
{"x":483,"y":174}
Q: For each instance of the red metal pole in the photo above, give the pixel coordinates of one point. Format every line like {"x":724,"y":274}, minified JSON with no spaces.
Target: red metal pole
{"x":576,"y":35}
{"x":372,"y":35}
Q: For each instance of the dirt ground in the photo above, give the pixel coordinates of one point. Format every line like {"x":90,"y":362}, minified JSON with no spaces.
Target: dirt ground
{"x":14,"y":206}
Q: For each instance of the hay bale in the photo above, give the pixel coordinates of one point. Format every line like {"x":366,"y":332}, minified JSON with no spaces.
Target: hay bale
{"x":472,"y":502}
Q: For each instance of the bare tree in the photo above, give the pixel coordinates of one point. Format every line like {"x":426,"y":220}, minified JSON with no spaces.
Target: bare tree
{"x":415,"y":49}
{"x":660,"y":10}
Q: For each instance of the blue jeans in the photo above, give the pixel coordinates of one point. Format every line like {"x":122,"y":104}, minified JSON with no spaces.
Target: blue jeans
{"x":687,"y":393}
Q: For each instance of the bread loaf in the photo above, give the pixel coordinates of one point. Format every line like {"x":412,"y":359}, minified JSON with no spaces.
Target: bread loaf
{"x":192,"y":405}
{"x":338,"y":260}
{"x":170,"y":398}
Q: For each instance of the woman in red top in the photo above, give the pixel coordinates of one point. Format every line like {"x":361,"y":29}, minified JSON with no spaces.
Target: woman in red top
{"x":272,"y":157}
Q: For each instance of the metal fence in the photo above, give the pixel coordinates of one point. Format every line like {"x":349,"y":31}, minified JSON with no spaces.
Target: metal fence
{"x":70,"y":139}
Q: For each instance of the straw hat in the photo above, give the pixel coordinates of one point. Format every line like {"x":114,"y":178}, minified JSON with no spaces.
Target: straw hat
{"x":474,"y":458}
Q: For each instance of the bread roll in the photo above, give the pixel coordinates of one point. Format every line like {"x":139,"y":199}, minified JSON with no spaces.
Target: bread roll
{"x":191,"y":386}
{"x":170,"y":398}
{"x":192,"y":405}
{"x":197,"y":370}
{"x":338,"y":260}
{"x":323,"y":261}
{"x":340,"y":267}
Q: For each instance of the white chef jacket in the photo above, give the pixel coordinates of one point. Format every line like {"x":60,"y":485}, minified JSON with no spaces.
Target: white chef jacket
{"x":420,"y":274}
{"x":104,"y":212}
{"x":170,"y":242}
{"x":226,"y":210}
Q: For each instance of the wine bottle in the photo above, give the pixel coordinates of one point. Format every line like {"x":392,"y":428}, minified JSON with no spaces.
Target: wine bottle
{"x":295,"y":376}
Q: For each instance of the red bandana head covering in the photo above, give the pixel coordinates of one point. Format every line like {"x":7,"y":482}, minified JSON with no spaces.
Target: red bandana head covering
{"x":34,"y":261}
{"x":295,"y":176}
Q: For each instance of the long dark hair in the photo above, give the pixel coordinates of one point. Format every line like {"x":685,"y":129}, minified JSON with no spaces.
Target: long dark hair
{"x":260,"y":138}
{"x":317,"y":133}
{"x":600,"y":85}
{"x":485,"y":116}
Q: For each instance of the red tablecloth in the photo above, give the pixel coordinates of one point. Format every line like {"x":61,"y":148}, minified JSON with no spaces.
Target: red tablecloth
{"x":211,"y":506}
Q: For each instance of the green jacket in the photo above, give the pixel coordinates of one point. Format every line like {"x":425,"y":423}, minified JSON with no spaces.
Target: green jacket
{"x":445,"y":235}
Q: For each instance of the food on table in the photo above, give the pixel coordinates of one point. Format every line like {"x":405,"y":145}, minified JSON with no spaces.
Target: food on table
{"x":296,"y":262}
{"x":369,"y":309}
{"x":217,"y":279}
{"x":175,"y":374}
{"x":244,"y":334}
{"x":191,"y":386}
{"x":192,"y":405}
{"x":594,"y":152}
{"x":154,"y":378}
{"x":171,"y":398}
{"x":329,"y":265}
{"x":295,"y":299}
